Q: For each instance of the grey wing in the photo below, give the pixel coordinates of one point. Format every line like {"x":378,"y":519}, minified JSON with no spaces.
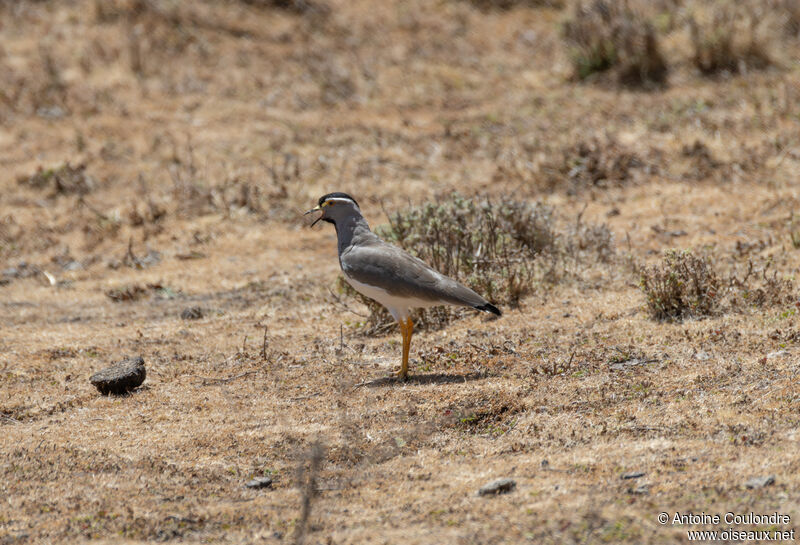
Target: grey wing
{"x":401,"y":274}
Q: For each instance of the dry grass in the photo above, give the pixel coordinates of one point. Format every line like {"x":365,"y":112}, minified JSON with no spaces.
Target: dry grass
{"x":185,"y":141}
{"x":684,"y":285}
{"x":729,"y":40}
{"x":605,"y":36}
{"x":689,"y":285}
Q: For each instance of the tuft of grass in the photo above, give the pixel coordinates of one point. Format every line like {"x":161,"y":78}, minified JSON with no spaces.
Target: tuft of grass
{"x":606,"y":36}
{"x":501,"y":249}
{"x":682,"y":285}
{"x":728,"y":42}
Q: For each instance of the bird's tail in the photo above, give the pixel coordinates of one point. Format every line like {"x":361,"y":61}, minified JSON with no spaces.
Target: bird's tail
{"x":488,"y":307}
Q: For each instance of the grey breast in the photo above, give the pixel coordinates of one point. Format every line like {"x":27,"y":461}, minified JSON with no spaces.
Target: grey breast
{"x":376,"y":263}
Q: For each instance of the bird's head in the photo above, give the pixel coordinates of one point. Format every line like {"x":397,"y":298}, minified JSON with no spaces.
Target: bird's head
{"x":335,"y":207}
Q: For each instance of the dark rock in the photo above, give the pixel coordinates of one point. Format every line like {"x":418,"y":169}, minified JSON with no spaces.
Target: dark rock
{"x":260,"y":482}
{"x":500,"y":486}
{"x":634,"y":475}
{"x":192,"y":313}
{"x":760,"y":482}
{"x":120,"y":377}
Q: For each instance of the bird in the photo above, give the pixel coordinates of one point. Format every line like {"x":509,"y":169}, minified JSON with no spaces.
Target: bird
{"x":387,"y":274}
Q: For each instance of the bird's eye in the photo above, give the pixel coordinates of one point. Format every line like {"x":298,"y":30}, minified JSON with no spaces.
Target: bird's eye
{"x":330,"y":203}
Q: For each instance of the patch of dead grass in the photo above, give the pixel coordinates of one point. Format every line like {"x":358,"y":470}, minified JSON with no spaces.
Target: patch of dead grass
{"x":605,"y":36}
{"x":728,"y":40}
{"x":685,"y":285}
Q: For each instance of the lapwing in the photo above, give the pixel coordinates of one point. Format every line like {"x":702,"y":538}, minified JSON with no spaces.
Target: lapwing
{"x":389,"y":275}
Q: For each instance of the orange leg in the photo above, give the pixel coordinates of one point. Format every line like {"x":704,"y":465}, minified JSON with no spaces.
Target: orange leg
{"x":407,"y":329}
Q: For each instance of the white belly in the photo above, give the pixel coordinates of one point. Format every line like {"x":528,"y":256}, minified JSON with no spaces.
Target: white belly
{"x":397,"y":306}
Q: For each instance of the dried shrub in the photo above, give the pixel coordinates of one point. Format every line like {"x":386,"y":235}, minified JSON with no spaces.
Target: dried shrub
{"x":596,"y":239}
{"x":159,"y":30}
{"x":685,"y":285}
{"x":194,"y":195}
{"x":37,"y":88}
{"x":336,"y":81}
{"x":593,"y":163}
{"x":10,"y":234}
{"x":492,"y":414}
{"x":607,"y":36}
{"x":728,"y":41}
{"x":127,"y":293}
{"x":682,"y":285}
{"x":501,"y":249}
{"x":702,"y":161}
{"x":791,"y":16}
{"x":760,"y":286}
{"x":62,"y":180}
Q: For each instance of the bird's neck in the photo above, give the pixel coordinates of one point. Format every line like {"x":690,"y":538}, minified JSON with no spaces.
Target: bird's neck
{"x":350,"y":229}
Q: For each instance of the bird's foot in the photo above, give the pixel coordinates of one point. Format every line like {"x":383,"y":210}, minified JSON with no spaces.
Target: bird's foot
{"x":399,"y":374}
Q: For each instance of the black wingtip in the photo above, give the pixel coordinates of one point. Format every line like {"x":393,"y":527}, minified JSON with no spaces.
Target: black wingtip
{"x":488,"y":307}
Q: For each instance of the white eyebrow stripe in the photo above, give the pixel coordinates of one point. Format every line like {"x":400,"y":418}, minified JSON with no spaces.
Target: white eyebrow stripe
{"x":341,"y":200}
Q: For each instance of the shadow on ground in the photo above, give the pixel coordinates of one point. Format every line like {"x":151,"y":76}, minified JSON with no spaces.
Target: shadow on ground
{"x":433,"y":378}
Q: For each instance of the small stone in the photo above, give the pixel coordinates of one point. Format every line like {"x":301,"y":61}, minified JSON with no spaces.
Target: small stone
{"x":760,"y":482}
{"x":778,"y":354}
{"x":631,"y":363}
{"x":121,"y":377}
{"x":500,"y":486}
{"x":634,"y":475}
{"x":192,"y":313}
{"x":260,"y":482}
{"x":702,"y":355}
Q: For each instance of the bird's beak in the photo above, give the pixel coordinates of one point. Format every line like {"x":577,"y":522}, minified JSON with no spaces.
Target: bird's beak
{"x":315,"y":209}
